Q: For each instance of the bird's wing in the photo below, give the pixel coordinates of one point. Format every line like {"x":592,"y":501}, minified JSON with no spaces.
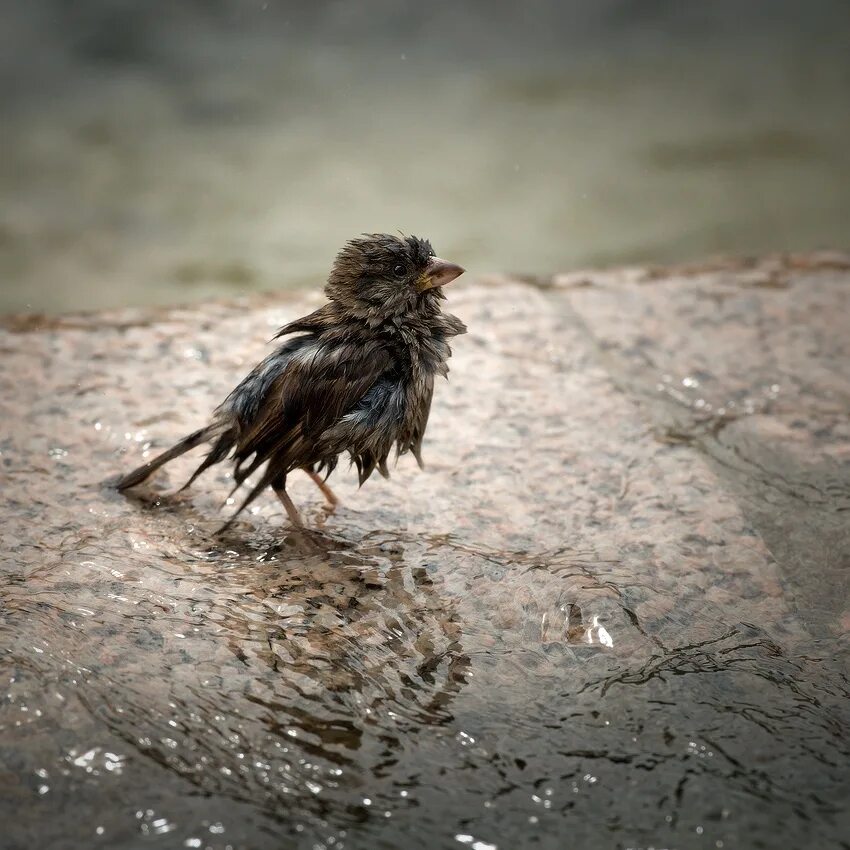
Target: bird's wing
{"x":316,"y":322}
{"x":316,"y":385}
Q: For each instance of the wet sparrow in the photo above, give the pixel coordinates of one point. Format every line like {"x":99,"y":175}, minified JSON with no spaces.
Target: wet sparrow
{"x":357,"y":376}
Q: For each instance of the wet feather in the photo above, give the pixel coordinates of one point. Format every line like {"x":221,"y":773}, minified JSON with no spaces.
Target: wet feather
{"x":354,"y":377}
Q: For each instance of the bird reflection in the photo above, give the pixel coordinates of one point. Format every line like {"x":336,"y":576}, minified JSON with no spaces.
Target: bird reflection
{"x":313,"y":662}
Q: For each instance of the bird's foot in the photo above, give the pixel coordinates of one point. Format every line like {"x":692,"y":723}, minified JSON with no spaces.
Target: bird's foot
{"x":289,"y":507}
{"x":320,"y":482}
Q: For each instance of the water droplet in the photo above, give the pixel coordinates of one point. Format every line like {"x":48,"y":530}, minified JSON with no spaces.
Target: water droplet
{"x":161,"y":826}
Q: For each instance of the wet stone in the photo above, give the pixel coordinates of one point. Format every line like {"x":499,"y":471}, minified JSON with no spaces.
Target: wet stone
{"x":613,"y":608}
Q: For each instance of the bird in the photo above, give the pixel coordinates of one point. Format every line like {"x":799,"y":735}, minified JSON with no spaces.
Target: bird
{"x":355,"y":376}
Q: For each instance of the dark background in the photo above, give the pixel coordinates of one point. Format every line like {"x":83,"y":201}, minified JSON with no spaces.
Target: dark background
{"x":160,"y":152}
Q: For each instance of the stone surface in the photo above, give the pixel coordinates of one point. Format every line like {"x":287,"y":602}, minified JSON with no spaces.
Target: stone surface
{"x":611,"y":612}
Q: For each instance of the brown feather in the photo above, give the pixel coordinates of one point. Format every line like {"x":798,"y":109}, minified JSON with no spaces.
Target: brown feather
{"x":355,"y":376}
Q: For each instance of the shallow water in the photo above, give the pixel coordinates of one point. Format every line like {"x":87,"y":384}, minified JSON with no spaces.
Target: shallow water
{"x":394,"y":691}
{"x":568,"y":630}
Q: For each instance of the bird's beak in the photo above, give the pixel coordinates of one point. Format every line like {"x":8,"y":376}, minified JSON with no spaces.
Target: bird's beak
{"x":439,"y":273}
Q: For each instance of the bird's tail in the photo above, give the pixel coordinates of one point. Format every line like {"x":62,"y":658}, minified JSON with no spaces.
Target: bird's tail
{"x":219,"y":451}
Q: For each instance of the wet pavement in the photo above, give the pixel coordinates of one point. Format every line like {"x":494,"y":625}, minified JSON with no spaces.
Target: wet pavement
{"x":612,"y":612}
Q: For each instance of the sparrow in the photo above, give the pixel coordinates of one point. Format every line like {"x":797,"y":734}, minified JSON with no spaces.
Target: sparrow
{"x":356,"y":376}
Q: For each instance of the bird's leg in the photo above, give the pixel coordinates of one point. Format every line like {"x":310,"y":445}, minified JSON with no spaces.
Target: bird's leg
{"x":329,"y":494}
{"x":291,"y":510}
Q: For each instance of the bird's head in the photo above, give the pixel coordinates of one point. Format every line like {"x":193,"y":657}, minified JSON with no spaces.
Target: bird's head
{"x":380,"y":276}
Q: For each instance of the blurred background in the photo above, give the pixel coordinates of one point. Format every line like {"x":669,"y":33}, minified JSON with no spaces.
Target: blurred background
{"x":162,"y":152}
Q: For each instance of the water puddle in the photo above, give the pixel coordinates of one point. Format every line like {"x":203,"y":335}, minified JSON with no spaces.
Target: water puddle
{"x":341,"y":688}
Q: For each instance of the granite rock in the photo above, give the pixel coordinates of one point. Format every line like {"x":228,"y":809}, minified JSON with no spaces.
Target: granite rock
{"x":613,"y":607}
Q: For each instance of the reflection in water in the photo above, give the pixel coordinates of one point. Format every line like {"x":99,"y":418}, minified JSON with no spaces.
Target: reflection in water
{"x":316,"y":680}
{"x":259,"y":674}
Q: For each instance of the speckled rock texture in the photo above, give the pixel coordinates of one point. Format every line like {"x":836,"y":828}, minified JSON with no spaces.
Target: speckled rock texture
{"x":611,"y":612}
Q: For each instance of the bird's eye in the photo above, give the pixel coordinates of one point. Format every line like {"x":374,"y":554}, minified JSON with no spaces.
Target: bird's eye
{"x":399,"y":270}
